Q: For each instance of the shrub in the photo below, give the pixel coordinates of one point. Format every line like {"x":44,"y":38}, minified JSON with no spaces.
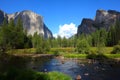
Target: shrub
{"x":97,"y":56}
{"x":92,"y":56}
{"x":83,"y":47}
{"x":16,"y":74}
{"x":56,"y":53}
{"x":116,"y":49}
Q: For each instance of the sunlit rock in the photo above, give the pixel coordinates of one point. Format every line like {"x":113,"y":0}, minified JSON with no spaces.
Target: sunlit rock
{"x":32,"y":22}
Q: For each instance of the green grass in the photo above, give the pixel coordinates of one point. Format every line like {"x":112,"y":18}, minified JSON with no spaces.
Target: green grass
{"x":22,"y":51}
{"x":64,"y":50}
{"x":68,"y":52}
{"x":107,"y":53}
{"x":58,"y":76}
{"x":112,"y":55}
{"x":107,"y":50}
{"x":75,"y":55}
{"x":72,"y":49}
{"x":84,"y":56}
{"x":25,"y":74}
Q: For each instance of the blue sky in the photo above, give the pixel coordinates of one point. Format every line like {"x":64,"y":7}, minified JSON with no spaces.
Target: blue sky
{"x":60,"y":14}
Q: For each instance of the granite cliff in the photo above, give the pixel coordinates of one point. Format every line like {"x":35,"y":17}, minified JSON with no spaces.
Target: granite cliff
{"x":32,"y":22}
{"x":103,"y":19}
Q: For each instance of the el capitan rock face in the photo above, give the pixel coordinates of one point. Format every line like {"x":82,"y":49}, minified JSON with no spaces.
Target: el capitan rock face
{"x":32,"y":22}
{"x":103,"y":19}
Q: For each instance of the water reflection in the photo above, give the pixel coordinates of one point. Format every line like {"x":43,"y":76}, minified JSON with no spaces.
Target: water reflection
{"x":88,"y":69}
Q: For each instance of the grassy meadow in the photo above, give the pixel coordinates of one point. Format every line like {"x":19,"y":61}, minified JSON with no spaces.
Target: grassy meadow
{"x":68,"y":52}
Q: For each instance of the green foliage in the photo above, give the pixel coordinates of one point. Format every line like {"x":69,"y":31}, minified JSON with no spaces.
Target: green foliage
{"x":64,"y":50}
{"x":111,"y":37}
{"x":116,"y":49}
{"x":63,"y":42}
{"x":54,"y":43}
{"x":113,"y":56}
{"x":99,"y":38}
{"x":11,"y":35}
{"x":59,"y":40}
{"x":57,"y":75}
{"x":28,"y":41}
{"x":75,"y":55}
{"x":41,"y":45}
{"x":25,"y":74}
{"x":113,"y":34}
{"x":97,"y":56}
{"x":83,"y":47}
{"x":4,"y":32}
{"x":92,"y":56}
{"x":100,"y":49}
{"x":117,"y":32}
{"x":56,"y":53}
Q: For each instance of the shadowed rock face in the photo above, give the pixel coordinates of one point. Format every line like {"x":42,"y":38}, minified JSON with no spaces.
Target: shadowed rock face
{"x":32,"y":22}
{"x":103,"y":19}
{"x":2,"y":16}
{"x":86,"y":26}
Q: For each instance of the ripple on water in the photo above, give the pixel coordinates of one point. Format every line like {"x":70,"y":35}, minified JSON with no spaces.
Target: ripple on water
{"x":87,"y":69}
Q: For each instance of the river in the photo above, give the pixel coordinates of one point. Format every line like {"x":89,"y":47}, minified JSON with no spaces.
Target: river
{"x":88,"y":69}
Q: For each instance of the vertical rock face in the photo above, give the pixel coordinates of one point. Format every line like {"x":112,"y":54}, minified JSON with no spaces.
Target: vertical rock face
{"x":32,"y":22}
{"x":47,"y":32}
{"x":86,"y":26}
{"x":2,"y":16}
{"x":106,"y":18}
{"x":103,"y":19}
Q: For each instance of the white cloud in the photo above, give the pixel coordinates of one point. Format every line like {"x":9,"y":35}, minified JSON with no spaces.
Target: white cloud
{"x":66,"y":30}
{"x":55,"y":35}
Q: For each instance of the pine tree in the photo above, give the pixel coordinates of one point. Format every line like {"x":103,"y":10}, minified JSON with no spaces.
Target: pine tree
{"x":111,"y":37}
{"x":20,"y":34}
{"x":59,"y":40}
{"x":117,"y":31}
{"x":64,"y":42}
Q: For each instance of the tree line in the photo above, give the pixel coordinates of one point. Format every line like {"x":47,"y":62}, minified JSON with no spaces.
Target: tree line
{"x":13,"y":36}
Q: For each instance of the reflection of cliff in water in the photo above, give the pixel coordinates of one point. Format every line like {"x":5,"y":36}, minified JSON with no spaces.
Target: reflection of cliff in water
{"x":88,"y":69}
{"x":21,"y":62}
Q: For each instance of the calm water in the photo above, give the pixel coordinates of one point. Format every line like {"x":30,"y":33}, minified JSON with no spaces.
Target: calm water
{"x":86,"y":68}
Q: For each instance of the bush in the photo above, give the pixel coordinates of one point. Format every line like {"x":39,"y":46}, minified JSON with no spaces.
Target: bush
{"x":116,"y":49}
{"x":39,"y":50}
{"x":56,"y":53}
{"x":16,"y":74}
{"x":83,"y":47}
{"x":92,"y":56}
{"x":97,"y":56}
{"x":42,"y":48}
{"x":100,"y":48}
